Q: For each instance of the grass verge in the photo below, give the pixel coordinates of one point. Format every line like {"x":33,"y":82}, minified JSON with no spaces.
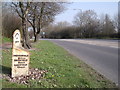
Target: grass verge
{"x":5,"y":39}
{"x":64,"y":70}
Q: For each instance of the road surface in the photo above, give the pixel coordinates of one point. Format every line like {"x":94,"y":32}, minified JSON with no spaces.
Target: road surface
{"x":102,"y":55}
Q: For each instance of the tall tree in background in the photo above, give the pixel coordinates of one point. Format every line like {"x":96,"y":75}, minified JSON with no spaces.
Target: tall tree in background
{"x":22,"y":9}
{"x":8,"y":18}
{"x":115,"y":22}
{"x":108,"y":27}
{"x":88,"y":22}
{"x":31,"y":18}
{"x":42,"y":14}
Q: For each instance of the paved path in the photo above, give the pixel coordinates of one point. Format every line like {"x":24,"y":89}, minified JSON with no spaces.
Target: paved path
{"x":101,"y":55}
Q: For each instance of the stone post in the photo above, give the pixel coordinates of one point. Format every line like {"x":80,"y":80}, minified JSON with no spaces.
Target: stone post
{"x":20,"y":56}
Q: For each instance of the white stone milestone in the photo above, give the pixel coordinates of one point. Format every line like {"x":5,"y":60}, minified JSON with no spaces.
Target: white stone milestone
{"x":17,"y":39}
{"x":20,"y":57}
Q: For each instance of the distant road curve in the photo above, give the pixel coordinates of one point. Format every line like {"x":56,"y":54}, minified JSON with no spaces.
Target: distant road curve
{"x":108,"y":43}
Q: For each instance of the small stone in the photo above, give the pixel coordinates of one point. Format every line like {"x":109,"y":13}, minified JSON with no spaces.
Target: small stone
{"x":32,"y":78}
{"x":41,"y":72}
{"x":36,"y":69}
{"x":39,"y":81}
{"x":27,"y":77}
{"x":44,"y":71}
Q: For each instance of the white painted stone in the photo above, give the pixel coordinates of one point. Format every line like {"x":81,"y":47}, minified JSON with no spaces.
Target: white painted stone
{"x":20,"y":57}
{"x":17,"y":39}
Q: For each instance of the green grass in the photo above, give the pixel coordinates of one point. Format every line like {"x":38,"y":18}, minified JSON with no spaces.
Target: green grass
{"x":5,"y":39}
{"x":64,"y":70}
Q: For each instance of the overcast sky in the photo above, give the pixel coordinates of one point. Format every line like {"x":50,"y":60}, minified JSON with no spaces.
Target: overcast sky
{"x":110,"y":8}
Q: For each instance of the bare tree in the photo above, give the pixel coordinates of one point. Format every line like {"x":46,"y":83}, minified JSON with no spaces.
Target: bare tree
{"x":9,"y":17}
{"x":31,"y":18}
{"x":22,"y":9}
{"x":88,"y":22}
{"x":31,"y":33}
{"x":42,"y":14}
{"x":115,"y":22}
{"x":108,"y":27}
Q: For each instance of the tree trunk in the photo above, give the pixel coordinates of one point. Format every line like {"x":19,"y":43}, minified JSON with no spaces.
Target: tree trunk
{"x":34,"y":34}
{"x":26,"y":42}
{"x":37,"y":36}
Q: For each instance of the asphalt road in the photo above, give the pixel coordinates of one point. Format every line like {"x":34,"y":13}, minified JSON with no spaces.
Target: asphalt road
{"x":104,"y":59}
